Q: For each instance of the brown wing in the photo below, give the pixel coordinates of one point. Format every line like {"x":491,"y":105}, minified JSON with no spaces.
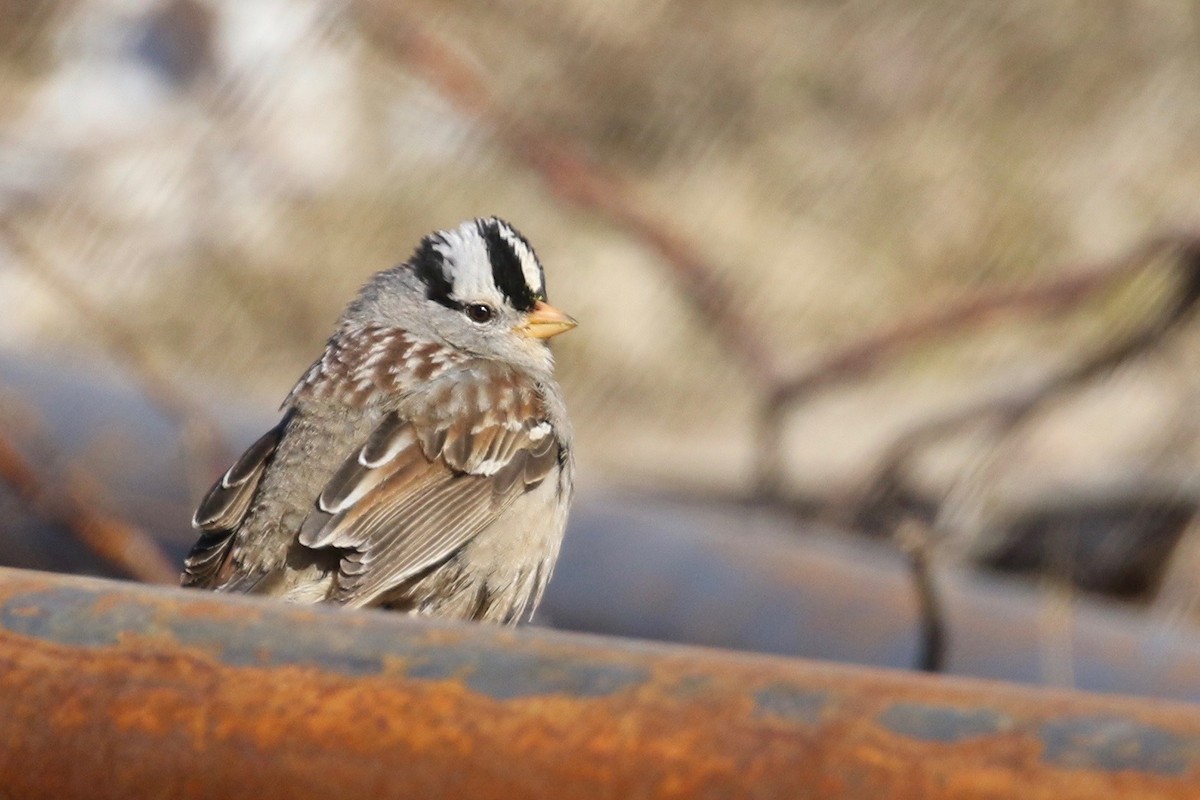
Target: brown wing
{"x":412,"y":495}
{"x":224,"y":507}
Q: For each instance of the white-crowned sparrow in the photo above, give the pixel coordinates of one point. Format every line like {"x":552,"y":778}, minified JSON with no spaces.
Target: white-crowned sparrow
{"x":424,"y":462}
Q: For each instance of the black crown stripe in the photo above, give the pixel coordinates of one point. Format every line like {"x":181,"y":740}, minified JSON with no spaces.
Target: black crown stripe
{"x":506,"y":267}
{"x":429,"y":265}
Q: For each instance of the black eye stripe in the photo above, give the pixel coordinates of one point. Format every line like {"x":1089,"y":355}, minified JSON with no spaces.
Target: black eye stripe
{"x":507,"y":273}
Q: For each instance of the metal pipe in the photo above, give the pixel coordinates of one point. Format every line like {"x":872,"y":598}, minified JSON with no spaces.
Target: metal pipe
{"x":729,"y":577}
{"x":115,"y":690}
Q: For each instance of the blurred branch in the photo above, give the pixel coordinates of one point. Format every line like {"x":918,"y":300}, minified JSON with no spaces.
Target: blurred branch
{"x":201,"y":436}
{"x":888,"y":505}
{"x":570,"y":174}
{"x":879,"y":348}
{"x":887,"y":493}
{"x":72,"y":504}
{"x":914,"y":539}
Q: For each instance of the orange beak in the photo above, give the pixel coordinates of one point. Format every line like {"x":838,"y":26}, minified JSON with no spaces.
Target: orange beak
{"x":545,"y":321}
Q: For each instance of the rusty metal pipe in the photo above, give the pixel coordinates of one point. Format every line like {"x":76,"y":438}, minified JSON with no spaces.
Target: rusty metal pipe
{"x":115,"y":690}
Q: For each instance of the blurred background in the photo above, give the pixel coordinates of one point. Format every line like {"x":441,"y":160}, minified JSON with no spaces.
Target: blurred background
{"x":886,"y":353}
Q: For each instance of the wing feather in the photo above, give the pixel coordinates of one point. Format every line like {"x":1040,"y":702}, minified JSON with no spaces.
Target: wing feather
{"x":414,"y":494}
{"x":423,"y":535}
{"x":224,"y":507}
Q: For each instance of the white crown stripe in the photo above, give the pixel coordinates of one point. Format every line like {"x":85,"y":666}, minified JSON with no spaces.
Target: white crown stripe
{"x":466,"y":264}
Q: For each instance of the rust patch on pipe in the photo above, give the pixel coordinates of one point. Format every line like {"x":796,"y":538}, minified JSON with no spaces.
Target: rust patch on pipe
{"x":791,"y":703}
{"x":114,"y":691}
{"x":78,"y":618}
{"x":932,"y":723}
{"x":1115,"y":744}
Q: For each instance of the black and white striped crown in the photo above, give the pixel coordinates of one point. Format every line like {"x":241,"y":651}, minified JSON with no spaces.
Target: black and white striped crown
{"x":480,"y":259}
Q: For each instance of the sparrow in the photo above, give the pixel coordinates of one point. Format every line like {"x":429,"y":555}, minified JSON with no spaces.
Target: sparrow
{"x":423,"y":463}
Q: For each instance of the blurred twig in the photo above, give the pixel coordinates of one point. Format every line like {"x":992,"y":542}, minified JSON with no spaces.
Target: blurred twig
{"x":72,"y":504}
{"x":1005,"y":412}
{"x":887,"y":499}
{"x":201,"y":436}
{"x":914,"y":539}
{"x":878,"y":348}
{"x":570,"y":174}
{"x":888,"y":504}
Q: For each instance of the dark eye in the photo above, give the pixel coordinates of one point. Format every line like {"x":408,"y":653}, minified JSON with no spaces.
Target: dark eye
{"x":480,"y":312}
